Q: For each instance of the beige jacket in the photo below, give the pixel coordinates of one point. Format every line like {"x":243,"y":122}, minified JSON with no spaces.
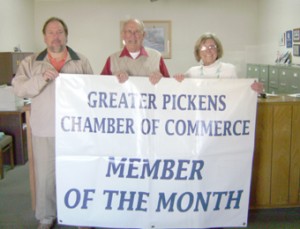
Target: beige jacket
{"x":29,"y":83}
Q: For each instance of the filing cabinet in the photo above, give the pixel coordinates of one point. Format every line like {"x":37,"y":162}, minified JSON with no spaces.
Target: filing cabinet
{"x":261,"y":72}
{"x":264,"y":76}
{"x":273,"y":80}
{"x":253,"y":70}
{"x":283,"y":80}
{"x":294,"y":83}
{"x":278,"y":79}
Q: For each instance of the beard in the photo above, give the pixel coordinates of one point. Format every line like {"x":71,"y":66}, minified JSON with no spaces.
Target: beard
{"x":57,"y":47}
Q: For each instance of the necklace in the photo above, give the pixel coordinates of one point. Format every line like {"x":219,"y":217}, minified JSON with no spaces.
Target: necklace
{"x":217,"y":73}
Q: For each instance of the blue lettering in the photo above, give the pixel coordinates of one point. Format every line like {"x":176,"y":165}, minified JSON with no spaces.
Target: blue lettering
{"x":237,"y":199}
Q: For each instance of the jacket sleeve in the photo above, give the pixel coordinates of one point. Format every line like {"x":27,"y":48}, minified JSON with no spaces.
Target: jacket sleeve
{"x":87,"y":69}
{"x":26,"y":85}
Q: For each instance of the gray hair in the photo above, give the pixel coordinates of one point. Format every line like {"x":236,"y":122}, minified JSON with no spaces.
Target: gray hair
{"x":137,"y":21}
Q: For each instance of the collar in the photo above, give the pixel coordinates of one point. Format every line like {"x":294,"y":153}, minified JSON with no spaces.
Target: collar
{"x":214,"y":64}
{"x":72,"y":53}
{"x":64,"y":58}
{"x":125,"y":52}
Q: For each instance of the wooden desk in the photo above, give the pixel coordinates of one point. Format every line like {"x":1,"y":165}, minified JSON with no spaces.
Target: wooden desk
{"x":30,"y":156}
{"x":276,"y":164}
{"x":13,"y":123}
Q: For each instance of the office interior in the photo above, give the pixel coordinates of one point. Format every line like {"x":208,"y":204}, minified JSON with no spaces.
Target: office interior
{"x":251,"y":31}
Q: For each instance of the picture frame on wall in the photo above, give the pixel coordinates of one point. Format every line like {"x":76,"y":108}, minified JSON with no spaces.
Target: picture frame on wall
{"x":296,"y":35}
{"x":158,"y":36}
{"x":282,"y":39}
{"x":289,"y":39}
{"x":296,"y":50}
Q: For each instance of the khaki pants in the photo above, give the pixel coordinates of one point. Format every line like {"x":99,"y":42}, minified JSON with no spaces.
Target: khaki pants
{"x":44,"y":169}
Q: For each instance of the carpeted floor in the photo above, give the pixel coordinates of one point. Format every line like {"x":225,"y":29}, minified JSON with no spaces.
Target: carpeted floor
{"x":16,"y":212}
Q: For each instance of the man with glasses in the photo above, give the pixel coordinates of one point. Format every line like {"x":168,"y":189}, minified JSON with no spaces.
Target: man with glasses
{"x":134,"y":59}
{"x":35,"y":79}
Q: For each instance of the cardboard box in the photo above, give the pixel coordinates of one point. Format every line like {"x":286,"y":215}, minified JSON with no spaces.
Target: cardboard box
{"x":8,"y":100}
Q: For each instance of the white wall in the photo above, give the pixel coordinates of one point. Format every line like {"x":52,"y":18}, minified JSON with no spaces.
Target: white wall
{"x":249,"y":29}
{"x":16,"y":25}
{"x":275,"y":17}
{"x":95,"y":24}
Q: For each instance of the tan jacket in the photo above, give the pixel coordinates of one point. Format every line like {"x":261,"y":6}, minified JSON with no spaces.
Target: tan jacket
{"x":29,"y":83}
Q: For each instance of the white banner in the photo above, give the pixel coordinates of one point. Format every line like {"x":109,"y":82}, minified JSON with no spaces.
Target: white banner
{"x":135,"y":155}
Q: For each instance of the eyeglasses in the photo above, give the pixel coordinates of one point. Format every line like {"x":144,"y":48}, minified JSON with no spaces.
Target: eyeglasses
{"x":210,"y":47}
{"x":53,"y":33}
{"x":130,"y":32}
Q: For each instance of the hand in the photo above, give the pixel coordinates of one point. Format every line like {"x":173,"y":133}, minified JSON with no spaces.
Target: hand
{"x":50,"y":75}
{"x":122,"y":77}
{"x":155,"y":77}
{"x":258,"y":87}
{"x":179,"y":77}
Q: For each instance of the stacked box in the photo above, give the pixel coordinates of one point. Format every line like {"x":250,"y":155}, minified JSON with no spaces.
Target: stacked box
{"x":8,"y":100}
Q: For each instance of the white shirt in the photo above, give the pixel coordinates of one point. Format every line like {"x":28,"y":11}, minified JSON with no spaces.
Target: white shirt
{"x":216,"y":70}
